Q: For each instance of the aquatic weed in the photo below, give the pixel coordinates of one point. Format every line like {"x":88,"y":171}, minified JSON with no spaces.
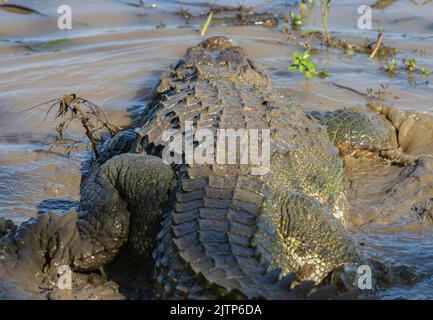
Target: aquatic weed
{"x":303,"y":63}
{"x":91,"y":117}
{"x":391,"y":68}
{"x":296,"y":21}
{"x":324,"y":10}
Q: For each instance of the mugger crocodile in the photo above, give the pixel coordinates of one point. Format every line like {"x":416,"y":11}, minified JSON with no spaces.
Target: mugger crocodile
{"x":212,"y":230}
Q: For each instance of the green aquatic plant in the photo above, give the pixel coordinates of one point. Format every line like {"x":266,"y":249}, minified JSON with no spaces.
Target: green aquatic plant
{"x":324,"y":10}
{"x":305,"y":4}
{"x":296,"y":20}
{"x":305,"y":66}
{"x":303,"y":63}
{"x":425,"y":71}
{"x":411,"y":65}
{"x":391,"y":68}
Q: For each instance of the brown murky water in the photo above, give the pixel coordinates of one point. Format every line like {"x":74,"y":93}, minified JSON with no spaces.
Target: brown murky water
{"x":114,"y":55}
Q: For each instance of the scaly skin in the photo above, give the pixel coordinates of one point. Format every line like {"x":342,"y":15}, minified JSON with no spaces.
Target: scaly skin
{"x":225,"y":233}
{"x":353,"y":130}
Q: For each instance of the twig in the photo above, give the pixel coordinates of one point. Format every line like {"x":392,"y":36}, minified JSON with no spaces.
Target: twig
{"x":206,"y":24}
{"x":350,"y":89}
{"x":378,"y":44}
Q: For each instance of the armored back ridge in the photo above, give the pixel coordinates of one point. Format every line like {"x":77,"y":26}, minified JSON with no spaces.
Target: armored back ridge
{"x":227,"y":228}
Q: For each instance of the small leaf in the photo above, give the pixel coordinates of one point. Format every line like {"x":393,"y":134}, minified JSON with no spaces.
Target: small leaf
{"x":311,"y":65}
{"x":425,"y":71}
{"x":302,"y":68}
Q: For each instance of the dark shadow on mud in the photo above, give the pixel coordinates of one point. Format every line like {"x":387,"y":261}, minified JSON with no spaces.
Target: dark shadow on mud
{"x":134,"y":277}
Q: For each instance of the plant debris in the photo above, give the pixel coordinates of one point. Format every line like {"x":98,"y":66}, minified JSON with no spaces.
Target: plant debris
{"x":16,"y":8}
{"x":142,"y":5}
{"x":206,"y":24}
{"x":235,"y":15}
{"x":382,"y":4}
{"x":92,"y":118}
{"x":53,"y":45}
{"x":378,"y":44}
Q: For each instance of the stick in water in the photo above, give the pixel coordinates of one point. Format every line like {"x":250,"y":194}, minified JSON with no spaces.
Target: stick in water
{"x":378,"y":44}
{"x":206,"y":24}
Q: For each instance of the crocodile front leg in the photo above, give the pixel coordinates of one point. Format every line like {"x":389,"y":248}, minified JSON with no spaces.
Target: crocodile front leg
{"x":127,"y":189}
{"x":398,"y":136}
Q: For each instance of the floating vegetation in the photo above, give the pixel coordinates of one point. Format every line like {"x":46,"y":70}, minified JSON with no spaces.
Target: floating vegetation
{"x":185,"y":13}
{"x":382,"y":4}
{"x":305,"y":66}
{"x":92,"y":118}
{"x":217,"y":8}
{"x":235,"y":15}
{"x":142,"y":5}
{"x":420,"y":4}
{"x":53,"y":45}
{"x":305,"y":38}
{"x":307,"y":4}
{"x":391,"y":67}
{"x":296,"y":21}
{"x":409,"y":65}
{"x":425,"y":71}
{"x":16,"y":8}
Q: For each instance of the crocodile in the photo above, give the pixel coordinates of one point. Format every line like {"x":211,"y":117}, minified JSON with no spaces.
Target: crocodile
{"x":215,"y":229}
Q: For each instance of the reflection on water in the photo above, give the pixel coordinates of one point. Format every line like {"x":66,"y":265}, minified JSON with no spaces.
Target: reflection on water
{"x":114,"y":57}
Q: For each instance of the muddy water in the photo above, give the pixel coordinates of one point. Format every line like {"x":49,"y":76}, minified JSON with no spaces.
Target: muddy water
{"x":114,"y":55}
